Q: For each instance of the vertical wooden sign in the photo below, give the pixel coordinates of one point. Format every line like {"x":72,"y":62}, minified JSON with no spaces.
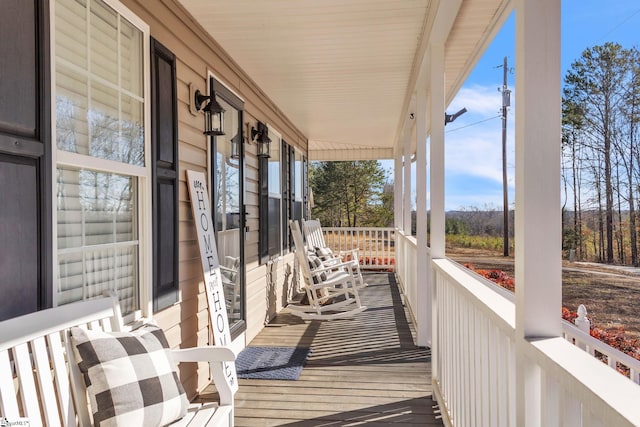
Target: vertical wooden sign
{"x":211,"y":267}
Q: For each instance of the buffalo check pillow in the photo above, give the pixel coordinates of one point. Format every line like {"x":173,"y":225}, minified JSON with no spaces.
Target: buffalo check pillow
{"x":324,"y":253}
{"x":315,"y":262}
{"x":131,"y":377}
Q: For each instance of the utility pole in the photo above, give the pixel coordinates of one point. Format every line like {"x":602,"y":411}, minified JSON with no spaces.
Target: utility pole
{"x":506,"y":102}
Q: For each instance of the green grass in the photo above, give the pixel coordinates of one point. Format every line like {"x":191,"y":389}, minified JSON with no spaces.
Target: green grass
{"x":492,"y":243}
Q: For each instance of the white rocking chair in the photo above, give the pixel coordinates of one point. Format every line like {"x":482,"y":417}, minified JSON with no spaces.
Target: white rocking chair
{"x":331,"y":291}
{"x":315,"y":243}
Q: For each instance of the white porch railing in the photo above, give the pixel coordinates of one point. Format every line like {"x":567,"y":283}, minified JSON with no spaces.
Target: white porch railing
{"x":406,"y":256}
{"x":476,"y":354}
{"x":376,"y":246}
{"x":474,"y":346}
{"x":614,"y":357}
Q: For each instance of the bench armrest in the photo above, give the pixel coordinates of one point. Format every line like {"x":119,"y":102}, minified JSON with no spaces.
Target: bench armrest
{"x":215,"y":355}
{"x":204,"y":354}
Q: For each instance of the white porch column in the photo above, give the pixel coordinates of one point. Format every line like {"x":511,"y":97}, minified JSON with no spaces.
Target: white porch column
{"x":537,"y":213}
{"x":436,"y":165}
{"x":406,"y":217}
{"x":423,"y":273}
{"x":436,"y":184}
{"x":397,"y":188}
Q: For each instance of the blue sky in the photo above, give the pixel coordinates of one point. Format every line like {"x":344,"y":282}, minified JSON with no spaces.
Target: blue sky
{"x":473,"y":141}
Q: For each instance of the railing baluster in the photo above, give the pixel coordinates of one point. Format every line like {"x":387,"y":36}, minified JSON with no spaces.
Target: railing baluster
{"x":464,"y":355}
{"x":571,"y":410}
{"x":477,"y":367}
{"x":550,"y":400}
{"x":494,"y":390}
{"x":472,"y":351}
{"x":460,"y":371}
{"x":503,"y":385}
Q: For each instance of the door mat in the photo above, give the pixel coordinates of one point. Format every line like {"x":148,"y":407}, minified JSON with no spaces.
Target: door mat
{"x":271,"y":363}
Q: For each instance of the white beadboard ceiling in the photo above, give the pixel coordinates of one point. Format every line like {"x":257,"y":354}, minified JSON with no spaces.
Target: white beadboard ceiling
{"x":343,"y":71}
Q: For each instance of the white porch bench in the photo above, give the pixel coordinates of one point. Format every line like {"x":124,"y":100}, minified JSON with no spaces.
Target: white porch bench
{"x":40,"y":379}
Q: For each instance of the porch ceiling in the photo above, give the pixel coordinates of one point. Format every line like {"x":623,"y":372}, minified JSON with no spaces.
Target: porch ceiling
{"x":344,"y":71}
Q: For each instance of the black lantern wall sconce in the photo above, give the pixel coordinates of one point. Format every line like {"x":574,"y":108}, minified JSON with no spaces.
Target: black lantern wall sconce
{"x":213,"y":113}
{"x":236,"y":146}
{"x":261,"y":136}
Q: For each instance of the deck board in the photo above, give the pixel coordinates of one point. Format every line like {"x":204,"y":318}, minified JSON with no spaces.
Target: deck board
{"x":362,"y":371}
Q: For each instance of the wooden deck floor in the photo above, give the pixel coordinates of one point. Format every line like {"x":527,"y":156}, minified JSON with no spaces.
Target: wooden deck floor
{"x":362,"y":371}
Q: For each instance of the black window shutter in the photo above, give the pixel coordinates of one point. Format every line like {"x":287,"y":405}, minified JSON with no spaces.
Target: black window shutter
{"x":19,"y":242}
{"x":263,"y":209}
{"x":292,"y":191}
{"x":305,"y":189}
{"x":287,"y":192}
{"x":26,"y":278}
{"x":164,"y":149}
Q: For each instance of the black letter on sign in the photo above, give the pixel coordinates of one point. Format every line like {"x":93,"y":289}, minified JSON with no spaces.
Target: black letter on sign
{"x":216,"y":301}
{"x":200,"y":196}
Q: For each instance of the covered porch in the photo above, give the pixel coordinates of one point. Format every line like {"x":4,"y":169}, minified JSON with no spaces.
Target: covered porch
{"x":496,"y":360}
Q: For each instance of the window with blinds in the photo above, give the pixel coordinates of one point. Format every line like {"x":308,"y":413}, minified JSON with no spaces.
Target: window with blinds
{"x":100,"y":115}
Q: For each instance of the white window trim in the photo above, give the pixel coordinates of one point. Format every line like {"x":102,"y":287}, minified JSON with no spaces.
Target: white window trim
{"x":142,"y":173}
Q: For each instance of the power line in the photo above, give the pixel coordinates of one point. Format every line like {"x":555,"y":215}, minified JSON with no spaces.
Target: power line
{"x":624,"y":21}
{"x":473,"y":124}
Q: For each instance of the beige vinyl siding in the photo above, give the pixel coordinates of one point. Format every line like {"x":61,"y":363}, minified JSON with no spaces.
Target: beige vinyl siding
{"x":186,"y":323}
{"x":265,"y":299}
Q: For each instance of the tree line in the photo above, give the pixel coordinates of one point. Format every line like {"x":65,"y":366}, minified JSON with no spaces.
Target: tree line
{"x":351,"y":194}
{"x":600,"y":157}
{"x":360,"y":194}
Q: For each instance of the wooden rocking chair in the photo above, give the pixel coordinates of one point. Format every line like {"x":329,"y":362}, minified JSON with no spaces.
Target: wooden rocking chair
{"x":331,"y":291}
{"x":316,"y":244}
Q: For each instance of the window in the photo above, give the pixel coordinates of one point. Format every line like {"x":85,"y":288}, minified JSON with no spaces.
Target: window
{"x":293,"y":188}
{"x":228,"y":205}
{"x":101,"y":170}
{"x":282,"y":196}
